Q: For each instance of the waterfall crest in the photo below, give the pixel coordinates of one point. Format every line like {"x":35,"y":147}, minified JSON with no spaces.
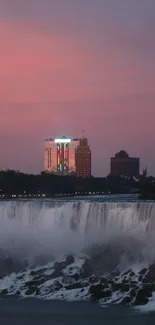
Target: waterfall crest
{"x":29,"y":229}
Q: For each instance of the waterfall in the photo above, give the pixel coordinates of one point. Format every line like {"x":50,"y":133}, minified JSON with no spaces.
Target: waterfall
{"x":85,"y":238}
{"x":34,"y":228}
{"x":79,"y":215}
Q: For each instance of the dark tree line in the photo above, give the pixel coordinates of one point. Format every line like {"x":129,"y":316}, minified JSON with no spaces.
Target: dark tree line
{"x":12,"y":182}
{"x":147,"y":188}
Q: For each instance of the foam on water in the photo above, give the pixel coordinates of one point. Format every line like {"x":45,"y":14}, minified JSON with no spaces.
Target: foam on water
{"x":149,"y":307}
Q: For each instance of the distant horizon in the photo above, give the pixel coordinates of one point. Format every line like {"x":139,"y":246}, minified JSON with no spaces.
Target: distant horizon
{"x":68,"y":66}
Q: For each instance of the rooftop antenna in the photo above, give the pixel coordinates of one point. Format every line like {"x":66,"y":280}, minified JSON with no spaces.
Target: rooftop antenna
{"x":83,"y":134}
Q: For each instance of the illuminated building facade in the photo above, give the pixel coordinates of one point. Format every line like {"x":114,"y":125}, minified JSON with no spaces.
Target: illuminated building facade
{"x":59,"y":155}
{"x":50,"y":156}
{"x":63,"y":157}
{"x":72,"y":149}
{"x":124,"y":165}
{"x":83,"y":159}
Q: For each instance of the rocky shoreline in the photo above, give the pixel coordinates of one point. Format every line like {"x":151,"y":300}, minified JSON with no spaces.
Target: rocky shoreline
{"x":64,"y":277}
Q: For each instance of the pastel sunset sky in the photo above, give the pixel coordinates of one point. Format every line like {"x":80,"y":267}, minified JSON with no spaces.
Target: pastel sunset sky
{"x":68,"y":65}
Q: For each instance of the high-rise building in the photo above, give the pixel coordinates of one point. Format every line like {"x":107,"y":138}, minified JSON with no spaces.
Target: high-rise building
{"x":72,"y":149}
{"x":67,"y":156}
{"x":50,"y":156}
{"x":83,"y":159}
{"x":124,"y":165}
{"x":59,"y":155}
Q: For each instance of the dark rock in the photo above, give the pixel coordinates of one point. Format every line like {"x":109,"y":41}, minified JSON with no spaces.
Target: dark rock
{"x":41,"y":278}
{"x":115,"y":273}
{"x":38,"y":272}
{"x":30,"y":283}
{"x":35,"y":282}
{"x":131,"y":274}
{"x":60,"y":265}
{"x":133,"y":293}
{"x":149,"y":286}
{"x":75,"y":276}
{"x":142,"y":296}
{"x":143,"y":271}
{"x":82,"y":290}
{"x":67,"y":280}
{"x":115,"y":286}
{"x":32,"y":290}
{"x":87,"y":270}
{"x":93,"y":279}
{"x":140,"y":278}
{"x":4,"y":292}
{"x":125,"y":281}
{"x":20,"y":277}
{"x":150,"y":276}
{"x":97,"y":292}
{"x":76,"y":285}
{"x":126,"y":300}
{"x":149,"y":279}
{"x":125,"y":287}
{"x":106,"y":285}
{"x":56,"y":286}
{"x":58,"y":268}
{"x":134,"y":283}
{"x":103,"y":280}
{"x":69,"y":260}
{"x":37,"y":291}
{"x":126,"y":273}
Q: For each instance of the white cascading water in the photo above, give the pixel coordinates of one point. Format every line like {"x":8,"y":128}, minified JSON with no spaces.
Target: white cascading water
{"x":29,"y":229}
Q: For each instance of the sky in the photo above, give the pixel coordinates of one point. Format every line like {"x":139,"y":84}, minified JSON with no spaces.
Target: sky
{"x":68,"y":65}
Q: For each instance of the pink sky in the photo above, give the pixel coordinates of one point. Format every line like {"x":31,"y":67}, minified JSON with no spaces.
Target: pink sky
{"x":58,"y":78}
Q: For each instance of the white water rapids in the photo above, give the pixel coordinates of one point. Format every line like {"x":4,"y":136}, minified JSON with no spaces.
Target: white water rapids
{"x":33,"y":230}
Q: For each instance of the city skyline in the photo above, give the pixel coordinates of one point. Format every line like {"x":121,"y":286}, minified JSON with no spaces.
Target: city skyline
{"x":72,"y":65}
{"x":51,"y":164}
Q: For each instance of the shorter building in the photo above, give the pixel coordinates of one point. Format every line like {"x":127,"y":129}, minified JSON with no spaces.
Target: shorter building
{"x":83,"y":159}
{"x":124,"y":165}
